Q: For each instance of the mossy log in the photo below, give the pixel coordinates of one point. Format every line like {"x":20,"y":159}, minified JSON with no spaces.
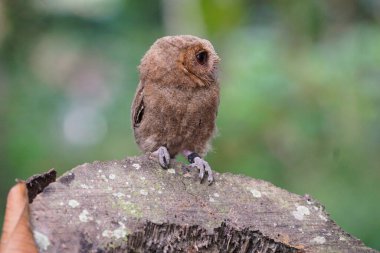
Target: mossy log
{"x":134,"y":205}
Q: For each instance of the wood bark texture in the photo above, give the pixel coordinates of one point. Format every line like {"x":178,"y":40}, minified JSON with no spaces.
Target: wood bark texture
{"x":133,"y":205}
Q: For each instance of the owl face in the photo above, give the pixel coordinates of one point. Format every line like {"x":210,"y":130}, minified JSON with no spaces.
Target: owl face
{"x":200,"y":62}
{"x":186,"y":61}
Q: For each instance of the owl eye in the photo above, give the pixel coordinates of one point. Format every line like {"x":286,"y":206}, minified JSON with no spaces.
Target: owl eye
{"x":202,"y":57}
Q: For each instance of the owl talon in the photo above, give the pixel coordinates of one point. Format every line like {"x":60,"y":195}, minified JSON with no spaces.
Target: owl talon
{"x":203,"y":167}
{"x":163,"y":157}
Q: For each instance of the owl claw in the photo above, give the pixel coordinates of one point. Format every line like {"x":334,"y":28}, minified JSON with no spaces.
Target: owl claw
{"x":203,"y":167}
{"x":163,"y":157}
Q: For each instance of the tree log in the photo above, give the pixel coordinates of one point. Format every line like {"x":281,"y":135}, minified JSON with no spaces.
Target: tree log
{"x":134,"y":205}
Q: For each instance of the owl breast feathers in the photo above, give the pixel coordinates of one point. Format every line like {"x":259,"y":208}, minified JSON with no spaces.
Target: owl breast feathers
{"x":176,"y":101}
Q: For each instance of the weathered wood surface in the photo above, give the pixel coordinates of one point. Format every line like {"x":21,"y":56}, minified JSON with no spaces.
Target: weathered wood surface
{"x":134,"y":205}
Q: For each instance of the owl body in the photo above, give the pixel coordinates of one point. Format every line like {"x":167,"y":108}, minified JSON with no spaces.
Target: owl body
{"x":176,"y":101}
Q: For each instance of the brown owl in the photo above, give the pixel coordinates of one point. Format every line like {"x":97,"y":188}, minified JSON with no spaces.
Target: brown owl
{"x":176,"y":102}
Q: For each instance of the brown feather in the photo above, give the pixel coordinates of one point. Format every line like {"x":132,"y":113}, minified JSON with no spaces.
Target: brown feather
{"x":176,"y":101}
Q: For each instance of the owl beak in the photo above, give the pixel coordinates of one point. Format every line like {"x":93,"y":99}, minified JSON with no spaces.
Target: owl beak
{"x":213,"y":76}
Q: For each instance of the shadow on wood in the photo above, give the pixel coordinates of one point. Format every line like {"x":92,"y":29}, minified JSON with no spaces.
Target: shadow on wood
{"x":134,"y":205}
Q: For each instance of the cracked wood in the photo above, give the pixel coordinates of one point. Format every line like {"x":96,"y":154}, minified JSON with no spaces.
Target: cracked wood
{"x":133,"y":205}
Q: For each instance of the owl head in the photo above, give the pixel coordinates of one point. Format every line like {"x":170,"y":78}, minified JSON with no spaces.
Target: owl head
{"x":184,"y":60}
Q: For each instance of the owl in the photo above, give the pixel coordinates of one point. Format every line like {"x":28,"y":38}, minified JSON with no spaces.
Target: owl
{"x":176,"y":101}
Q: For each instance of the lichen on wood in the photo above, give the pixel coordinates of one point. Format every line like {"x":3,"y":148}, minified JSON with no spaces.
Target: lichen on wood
{"x":133,"y":205}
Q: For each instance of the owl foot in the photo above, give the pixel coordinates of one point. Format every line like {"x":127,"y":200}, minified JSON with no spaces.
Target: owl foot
{"x":203,"y":166}
{"x":163,"y":157}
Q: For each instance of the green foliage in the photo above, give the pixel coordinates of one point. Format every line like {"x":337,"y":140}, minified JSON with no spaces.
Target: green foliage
{"x":300,"y":92}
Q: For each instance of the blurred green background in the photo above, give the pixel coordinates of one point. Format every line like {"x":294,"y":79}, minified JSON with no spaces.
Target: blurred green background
{"x":300,"y":103}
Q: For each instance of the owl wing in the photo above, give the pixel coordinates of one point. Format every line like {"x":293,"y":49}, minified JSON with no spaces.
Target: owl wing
{"x":138,"y":106}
